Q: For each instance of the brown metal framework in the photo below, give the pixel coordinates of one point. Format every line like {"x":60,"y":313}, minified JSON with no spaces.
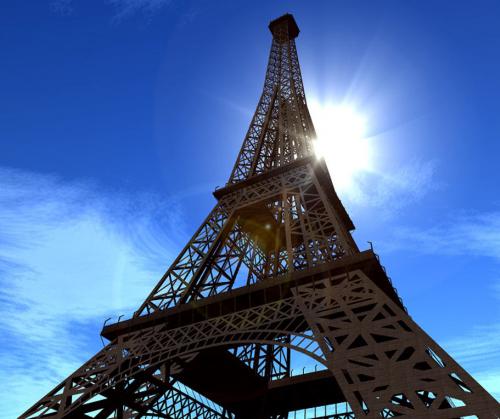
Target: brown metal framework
{"x":272,"y":271}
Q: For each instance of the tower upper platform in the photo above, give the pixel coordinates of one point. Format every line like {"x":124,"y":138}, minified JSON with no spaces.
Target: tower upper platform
{"x":285,"y":22}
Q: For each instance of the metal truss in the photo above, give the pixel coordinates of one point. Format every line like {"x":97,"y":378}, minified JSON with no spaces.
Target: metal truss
{"x":281,"y":130}
{"x":296,"y":228}
{"x":150,"y":394}
{"x":277,"y":219}
{"x":384,"y":362}
{"x":176,"y":403}
{"x":335,"y":411}
{"x":344,"y":322}
{"x":269,"y":361}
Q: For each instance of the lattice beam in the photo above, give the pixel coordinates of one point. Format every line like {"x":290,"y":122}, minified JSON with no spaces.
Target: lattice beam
{"x":278,"y":218}
{"x":281,"y":224}
{"x":345,"y":322}
{"x":281,"y":130}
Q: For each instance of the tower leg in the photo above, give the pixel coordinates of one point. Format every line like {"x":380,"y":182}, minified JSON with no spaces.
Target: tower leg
{"x":384,"y":362}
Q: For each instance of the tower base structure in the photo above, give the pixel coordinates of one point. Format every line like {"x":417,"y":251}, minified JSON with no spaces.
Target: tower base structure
{"x":375,"y":357}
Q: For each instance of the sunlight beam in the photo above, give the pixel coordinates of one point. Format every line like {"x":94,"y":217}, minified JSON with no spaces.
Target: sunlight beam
{"x":342,"y":142}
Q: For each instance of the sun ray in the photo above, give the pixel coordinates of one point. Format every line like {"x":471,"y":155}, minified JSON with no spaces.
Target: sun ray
{"x":342,"y":141}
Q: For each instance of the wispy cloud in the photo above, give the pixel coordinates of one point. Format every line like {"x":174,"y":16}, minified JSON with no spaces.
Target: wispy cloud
{"x":478,"y":353}
{"x":126,"y":8}
{"x":63,"y":7}
{"x":70,"y":256}
{"x":123,"y":8}
{"x":474,"y":234}
{"x":391,"y":190}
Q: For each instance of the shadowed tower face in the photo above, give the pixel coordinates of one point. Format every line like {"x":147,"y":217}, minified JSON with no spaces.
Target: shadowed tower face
{"x":272,"y":272}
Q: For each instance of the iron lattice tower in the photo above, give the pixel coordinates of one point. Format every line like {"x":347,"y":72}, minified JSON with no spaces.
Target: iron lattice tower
{"x":272,"y":271}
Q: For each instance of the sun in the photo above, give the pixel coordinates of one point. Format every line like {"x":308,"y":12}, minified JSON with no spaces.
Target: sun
{"x":342,"y":141}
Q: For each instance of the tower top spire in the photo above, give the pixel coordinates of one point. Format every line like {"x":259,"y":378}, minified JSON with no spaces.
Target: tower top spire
{"x":281,"y":130}
{"x":284,"y":24}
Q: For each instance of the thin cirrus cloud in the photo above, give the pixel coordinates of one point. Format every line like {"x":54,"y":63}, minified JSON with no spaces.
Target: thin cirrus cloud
{"x":477,"y":352}
{"x":391,"y":190}
{"x":128,"y":7}
{"x":471,"y":235}
{"x":70,"y":256}
{"x":123,"y":8}
{"x":475,"y":234}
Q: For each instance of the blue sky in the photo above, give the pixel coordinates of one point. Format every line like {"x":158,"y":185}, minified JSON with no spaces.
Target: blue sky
{"x":118,"y":118}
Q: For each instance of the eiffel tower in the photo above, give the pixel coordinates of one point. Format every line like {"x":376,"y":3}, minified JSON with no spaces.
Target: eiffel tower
{"x":272,"y":274}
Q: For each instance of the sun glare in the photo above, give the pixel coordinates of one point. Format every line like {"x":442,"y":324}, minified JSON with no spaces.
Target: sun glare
{"x":341,"y":141}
